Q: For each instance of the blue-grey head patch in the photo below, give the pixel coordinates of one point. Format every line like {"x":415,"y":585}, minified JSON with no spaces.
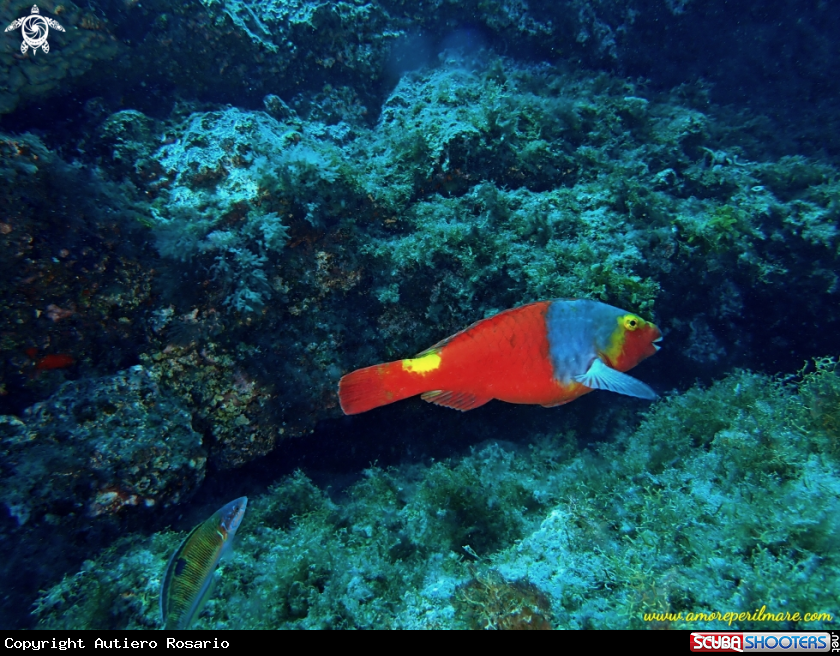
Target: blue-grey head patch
{"x":577,"y":330}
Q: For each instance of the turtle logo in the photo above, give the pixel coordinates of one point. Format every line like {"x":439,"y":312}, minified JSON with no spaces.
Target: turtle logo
{"x":34,"y":29}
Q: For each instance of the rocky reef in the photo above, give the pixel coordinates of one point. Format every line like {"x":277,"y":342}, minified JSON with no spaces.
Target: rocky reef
{"x":723,"y":500}
{"x":97,"y":446}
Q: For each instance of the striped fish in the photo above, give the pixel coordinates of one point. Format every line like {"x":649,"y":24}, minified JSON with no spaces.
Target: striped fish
{"x":189,"y":579}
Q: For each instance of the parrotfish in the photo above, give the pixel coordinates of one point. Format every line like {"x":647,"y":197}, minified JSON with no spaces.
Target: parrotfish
{"x":190,"y":575}
{"x":546,"y":353}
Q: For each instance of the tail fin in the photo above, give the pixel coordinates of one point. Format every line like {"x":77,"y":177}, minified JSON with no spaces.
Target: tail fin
{"x":371,"y":387}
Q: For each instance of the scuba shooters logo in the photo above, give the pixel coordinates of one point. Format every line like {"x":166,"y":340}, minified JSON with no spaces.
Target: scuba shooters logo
{"x":34,"y":30}
{"x":761,"y":641}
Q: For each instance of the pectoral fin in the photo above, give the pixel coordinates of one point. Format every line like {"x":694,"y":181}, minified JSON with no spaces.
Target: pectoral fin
{"x":462,"y":401}
{"x":601,"y":376}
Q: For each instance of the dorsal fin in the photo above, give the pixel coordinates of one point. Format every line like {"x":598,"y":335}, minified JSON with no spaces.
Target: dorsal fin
{"x":495,"y":318}
{"x":462,"y":401}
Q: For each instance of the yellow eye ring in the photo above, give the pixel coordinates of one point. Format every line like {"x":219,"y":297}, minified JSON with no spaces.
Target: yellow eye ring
{"x":631,"y":322}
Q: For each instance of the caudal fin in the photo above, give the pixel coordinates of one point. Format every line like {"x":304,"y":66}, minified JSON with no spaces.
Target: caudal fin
{"x":371,"y":387}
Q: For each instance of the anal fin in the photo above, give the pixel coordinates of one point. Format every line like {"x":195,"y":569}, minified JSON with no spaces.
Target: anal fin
{"x":462,"y":401}
{"x":554,"y":405}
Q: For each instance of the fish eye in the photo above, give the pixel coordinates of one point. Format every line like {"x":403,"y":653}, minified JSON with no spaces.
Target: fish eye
{"x":631,"y":322}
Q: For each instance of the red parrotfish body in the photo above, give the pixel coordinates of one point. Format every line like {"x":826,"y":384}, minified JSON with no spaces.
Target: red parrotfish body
{"x":546,"y":353}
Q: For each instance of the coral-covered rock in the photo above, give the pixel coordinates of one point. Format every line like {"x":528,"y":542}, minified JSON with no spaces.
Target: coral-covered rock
{"x":232,"y":406}
{"x":74,"y":281}
{"x":99,"y":447}
{"x":125,"y":140}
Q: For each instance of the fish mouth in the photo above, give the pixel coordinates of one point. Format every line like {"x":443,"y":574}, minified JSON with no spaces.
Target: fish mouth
{"x":656,"y":343}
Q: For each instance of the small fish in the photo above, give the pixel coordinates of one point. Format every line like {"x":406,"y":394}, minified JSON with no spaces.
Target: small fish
{"x":49,"y":361}
{"x":190,"y":575}
{"x":54,"y":361}
{"x":546,"y":353}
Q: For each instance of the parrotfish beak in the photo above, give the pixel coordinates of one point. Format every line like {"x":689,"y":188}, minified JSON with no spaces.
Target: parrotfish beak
{"x":656,"y":343}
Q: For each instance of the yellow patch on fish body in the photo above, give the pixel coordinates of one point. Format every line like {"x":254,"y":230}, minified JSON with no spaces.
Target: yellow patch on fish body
{"x":423,"y":364}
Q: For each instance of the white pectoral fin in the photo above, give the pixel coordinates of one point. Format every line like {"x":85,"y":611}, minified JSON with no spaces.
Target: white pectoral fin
{"x":602,"y":377}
